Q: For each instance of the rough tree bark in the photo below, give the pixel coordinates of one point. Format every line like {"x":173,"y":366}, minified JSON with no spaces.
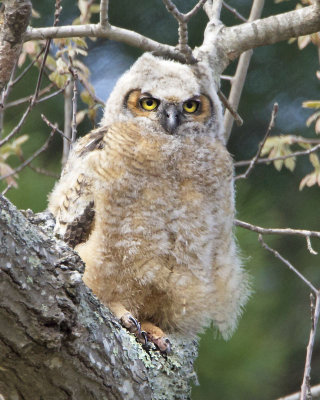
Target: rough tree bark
{"x":14,"y":20}
{"x":54,"y":332}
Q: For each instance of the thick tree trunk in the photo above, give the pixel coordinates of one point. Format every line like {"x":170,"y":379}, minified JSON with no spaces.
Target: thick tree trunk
{"x":56,"y":340}
{"x":14,"y":19}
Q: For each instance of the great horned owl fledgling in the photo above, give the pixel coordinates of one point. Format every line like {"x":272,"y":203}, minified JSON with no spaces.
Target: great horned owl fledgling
{"x":147,"y":200}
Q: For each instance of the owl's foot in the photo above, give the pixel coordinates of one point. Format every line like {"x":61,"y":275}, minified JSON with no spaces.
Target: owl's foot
{"x":146,"y":333}
{"x":133,"y":326}
{"x":157,"y":336}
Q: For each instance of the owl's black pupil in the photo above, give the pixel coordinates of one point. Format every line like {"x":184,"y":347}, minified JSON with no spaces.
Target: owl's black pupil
{"x":189,"y":104}
{"x":149,"y":103}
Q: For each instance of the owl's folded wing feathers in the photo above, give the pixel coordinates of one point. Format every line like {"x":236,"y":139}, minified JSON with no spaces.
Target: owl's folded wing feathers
{"x":72,"y":200}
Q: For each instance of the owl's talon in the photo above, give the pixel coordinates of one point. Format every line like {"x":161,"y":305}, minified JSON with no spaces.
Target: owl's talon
{"x":136,"y":326}
{"x":145,"y":338}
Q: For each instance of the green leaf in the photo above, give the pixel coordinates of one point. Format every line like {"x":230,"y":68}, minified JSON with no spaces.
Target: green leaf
{"x":95,"y":8}
{"x":58,"y":79}
{"x":311,"y":104}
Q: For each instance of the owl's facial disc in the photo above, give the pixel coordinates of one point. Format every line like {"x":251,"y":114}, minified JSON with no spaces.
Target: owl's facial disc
{"x":170,"y":113}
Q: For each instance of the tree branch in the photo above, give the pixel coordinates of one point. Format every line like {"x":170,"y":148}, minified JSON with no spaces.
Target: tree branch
{"x":104,"y":4}
{"x":315,"y":393}
{"x":56,"y":333}
{"x":237,"y":39}
{"x":237,"y":83}
{"x":277,"y":231}
{"x":109,"y":32}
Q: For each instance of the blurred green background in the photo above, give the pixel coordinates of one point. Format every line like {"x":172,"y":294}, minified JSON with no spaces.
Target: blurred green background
{"x":265,"y":357}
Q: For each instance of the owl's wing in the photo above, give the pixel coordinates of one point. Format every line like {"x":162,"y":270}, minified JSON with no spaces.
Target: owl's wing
{"x":72,"y":200}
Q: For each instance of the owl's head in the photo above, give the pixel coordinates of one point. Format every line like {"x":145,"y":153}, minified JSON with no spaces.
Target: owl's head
{"x":173,"y":98}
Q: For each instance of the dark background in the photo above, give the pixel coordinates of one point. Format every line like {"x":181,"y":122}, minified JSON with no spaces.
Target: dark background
{"x":265,"y":357}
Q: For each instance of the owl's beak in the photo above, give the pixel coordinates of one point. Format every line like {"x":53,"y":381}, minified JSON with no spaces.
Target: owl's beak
{"x":170,"y":118}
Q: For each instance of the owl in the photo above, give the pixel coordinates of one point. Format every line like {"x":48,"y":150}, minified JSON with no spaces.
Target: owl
{"x":147,"y":200}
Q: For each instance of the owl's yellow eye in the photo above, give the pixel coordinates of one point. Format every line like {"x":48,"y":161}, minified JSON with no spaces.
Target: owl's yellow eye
{"x":149,"y":103}
{"x":190,"y":106}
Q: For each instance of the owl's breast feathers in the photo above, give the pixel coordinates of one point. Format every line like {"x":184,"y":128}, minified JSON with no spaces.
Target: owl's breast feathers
{"x":150,"y":173}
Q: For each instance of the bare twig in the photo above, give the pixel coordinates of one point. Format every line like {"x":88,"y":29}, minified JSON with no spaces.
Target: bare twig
{"x":53,"y":126}
{"x":29,"y":98}
{"x":95,"y":98}
{"x":315,"y":311}
{"x":104,"y":12}
{"x":234,"y":12}
{"x":42,"y":171}
{"x":43,"y":62}
{"x":53,"y":94}
{"x":315,"y":393}
{"x":277,"y":231}
{"x":74,"y":102}
{"x":268,"y":160}
{"x":288,"y":264}
{"x":17,"y":128}
{"x":67,"y":122}
{"x":183,"y":20}
{"x":3,"y":193}
{"x":310,"y":246}
{"x":228,"y":106}
{"x":22,"y":74}
{"x":34,"y":155}
{"x":261,"y":144}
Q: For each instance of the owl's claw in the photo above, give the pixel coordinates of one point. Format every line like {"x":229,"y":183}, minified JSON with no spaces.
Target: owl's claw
{"x":136,"y":326}
{"x":133,"y":326}
{"x":146,"y":335}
